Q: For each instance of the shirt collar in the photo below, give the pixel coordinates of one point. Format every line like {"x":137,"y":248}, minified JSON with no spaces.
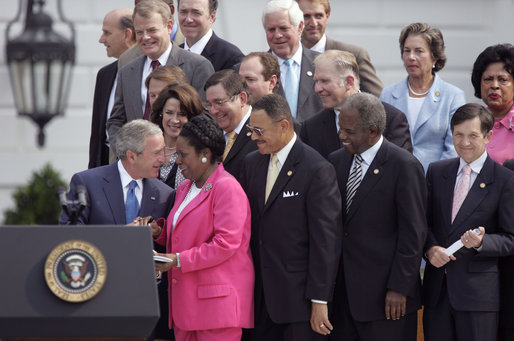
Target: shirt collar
{"x":320,"y":45}
{"x":284,"y":152}
{"x":200,"y":44}
{"x":476,"y":166}
{"x":508,"y":120}
{"x":370,"y":153}
{"x":243,"y":120}
{"x":297,"y":57}
{"x":126,"y":178}
{"x":163,"y":59}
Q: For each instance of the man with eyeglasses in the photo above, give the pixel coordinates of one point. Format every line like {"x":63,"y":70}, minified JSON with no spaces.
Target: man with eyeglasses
{"x":227,"y":102}
{"x":296,"y":228}
{"x":153,"y":24}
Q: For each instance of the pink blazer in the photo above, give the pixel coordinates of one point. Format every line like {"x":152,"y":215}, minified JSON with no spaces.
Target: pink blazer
{"x":213,"y":288}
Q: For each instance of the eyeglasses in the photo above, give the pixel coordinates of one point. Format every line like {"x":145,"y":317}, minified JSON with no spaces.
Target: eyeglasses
{"x":258,"y":131}
{"x":218,"y":103}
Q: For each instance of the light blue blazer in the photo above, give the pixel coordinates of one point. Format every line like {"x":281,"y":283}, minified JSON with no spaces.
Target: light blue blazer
{"x":431,"y":137}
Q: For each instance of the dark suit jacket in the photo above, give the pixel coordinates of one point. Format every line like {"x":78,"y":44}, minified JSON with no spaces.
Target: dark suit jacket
{"x":129,"y":105}
{"x":384,"y":231}
{"x":105,"y":203}
{"x":241,"y":147}
{"x":309,"y":102}
{"x":296,"y":234}
{"x":472,"y":279}
{"x":104,"y":83}
{"x":221,"y":53}
{"x":320,"y":131}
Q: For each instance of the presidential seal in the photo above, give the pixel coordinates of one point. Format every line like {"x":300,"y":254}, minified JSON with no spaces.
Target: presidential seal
{"x":75,"y":271}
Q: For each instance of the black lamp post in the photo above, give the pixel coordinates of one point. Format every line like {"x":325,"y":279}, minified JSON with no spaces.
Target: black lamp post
{"x":40,"y":62}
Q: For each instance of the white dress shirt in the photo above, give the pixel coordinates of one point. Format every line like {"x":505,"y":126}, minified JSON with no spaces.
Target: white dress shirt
{"x":125,"y":181}
{"x":147,"y":69}
{"x":200,"y":44}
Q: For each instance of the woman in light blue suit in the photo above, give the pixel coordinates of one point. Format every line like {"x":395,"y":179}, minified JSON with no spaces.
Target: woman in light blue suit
{"x":427,"y":100}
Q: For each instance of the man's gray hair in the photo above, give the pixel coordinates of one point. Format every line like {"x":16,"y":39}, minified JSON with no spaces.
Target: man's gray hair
{"x":291,"y":6}
{"x":370,"y":109}
{"x":345,"y":64}
{"x":132,"y":136}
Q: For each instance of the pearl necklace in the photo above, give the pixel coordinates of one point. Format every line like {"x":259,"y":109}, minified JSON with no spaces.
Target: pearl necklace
{"x":417,"y":93}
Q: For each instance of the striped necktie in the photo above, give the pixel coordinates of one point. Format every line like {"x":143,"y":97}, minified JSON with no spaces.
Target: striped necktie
{"x":354,"y":180}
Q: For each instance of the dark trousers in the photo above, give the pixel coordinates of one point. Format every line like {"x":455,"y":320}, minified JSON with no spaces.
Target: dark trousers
{"x":443,"y":323}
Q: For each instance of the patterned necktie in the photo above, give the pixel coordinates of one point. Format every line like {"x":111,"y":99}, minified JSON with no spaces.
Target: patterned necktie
{"x":131,"y":204}
{"x":231,"y":139}
{"x":354,"y":180}
{"x":148,"y":110}
{"x":461,"y":191}
{"x":291,"y":87}
{"x":272,"y":176}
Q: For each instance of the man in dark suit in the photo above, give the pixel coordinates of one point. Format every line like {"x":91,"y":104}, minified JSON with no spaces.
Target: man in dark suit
{"x":384,"y":198}
{"x":227,"y":101}
{"x":141,"y":153}
{"x":461,"y":291}
{"x":153,"y":23}
{"x":337,"y":78}
{"x":196,"y":18}
{"x":316,"y":14}
{"x":117,"y":35}
{"x":296,"y":227}
{"x":283,"y":23}
{"x":261,"y":72}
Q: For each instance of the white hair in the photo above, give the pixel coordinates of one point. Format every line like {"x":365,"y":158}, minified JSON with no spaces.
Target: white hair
{"x":291,"y":6}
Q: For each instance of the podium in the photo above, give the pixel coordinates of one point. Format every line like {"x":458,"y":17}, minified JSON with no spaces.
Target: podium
{"x":122,"y":303}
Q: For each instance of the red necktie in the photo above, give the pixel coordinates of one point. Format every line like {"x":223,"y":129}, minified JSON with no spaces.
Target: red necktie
{"x":155,"y":64}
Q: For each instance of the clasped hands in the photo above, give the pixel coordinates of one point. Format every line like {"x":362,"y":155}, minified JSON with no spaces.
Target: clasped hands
{"x":469,"y":239}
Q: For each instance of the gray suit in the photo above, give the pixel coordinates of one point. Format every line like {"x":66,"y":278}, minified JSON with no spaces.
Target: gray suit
{"x":128,"y":104}
{"x":309,"y":102}
{"x":369,"y":81}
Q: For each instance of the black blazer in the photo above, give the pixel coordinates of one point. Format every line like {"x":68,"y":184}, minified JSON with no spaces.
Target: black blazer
{"x":296,"y":235}
{"x":221,"y":53}
{"x":320,"y":131}
{"x":104,"y":83}
{"x":384,"y":232}
{"x":241,"y":147}
{"x":473,"y":279}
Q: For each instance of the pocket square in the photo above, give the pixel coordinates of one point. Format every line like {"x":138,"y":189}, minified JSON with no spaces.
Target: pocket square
{"x":288,"y":194}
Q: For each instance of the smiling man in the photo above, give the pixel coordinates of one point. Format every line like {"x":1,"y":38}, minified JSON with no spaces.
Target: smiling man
{"x":153,"y":24}
{"x":119,"y":192}
{"x":283,"y":23}
{"x":117,"y":36}
{"x":316,"y":14}
{"x":227,"y":101}
{"x":378,"y":291}
{"x":196,"y":18}
{"x":296,"y":228}
{"x":465,"y":193}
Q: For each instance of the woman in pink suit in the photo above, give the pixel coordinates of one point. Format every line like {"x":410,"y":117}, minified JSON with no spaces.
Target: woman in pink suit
{"x":207,"y":237}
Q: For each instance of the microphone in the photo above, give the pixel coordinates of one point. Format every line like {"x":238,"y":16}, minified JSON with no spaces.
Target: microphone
{"x":81,"y":195}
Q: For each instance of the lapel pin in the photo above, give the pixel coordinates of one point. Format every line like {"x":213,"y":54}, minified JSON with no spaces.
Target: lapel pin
{"x":207,"y":188}
{"x":437,"y":94}
{"x":289,"y":173}
{"x":249,"y":134}
{"x":309,"y":73}
{"x":482,"y":185}
{"x":376,"y":171}
{"x":152,"y":198}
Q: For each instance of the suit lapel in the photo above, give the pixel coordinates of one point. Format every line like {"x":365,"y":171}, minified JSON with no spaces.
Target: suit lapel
{"x":149,"y":198}
{"x":134,"y":89}
{"x":114,"y":194}
{"x":287,"y":172}
{"x":343,"y":171}
{"x":209,"y":50}
{"x":330,"y":130}
{"x":175,"y":57}
{"x":306,"y":86}
{"x":430,"y":105}
{"x":370,"y":179}
{"x":448,"y":184}
{"x":241,"y":140}
{"x":476,"y":194}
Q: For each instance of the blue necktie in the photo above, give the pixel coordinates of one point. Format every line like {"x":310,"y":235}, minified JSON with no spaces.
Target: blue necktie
{"x":291,"y":87}
{"x":131,"y":204}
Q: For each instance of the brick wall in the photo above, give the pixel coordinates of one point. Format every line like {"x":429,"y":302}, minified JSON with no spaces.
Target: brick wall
{"x":467,"y":25}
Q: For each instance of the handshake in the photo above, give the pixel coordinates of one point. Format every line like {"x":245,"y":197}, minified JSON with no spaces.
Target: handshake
{"x":147,"y":221}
